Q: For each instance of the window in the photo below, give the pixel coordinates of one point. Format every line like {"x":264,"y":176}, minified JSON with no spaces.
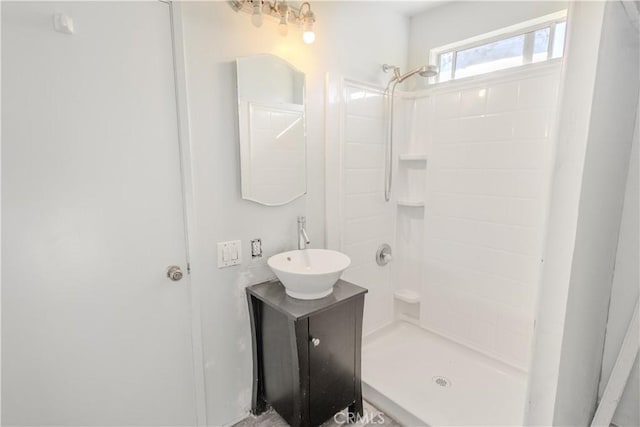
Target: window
{"x":531,"y":42}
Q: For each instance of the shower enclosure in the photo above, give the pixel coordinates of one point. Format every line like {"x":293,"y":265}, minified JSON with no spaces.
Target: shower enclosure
{"x":452,"y":315}
{"x":449,"y":322}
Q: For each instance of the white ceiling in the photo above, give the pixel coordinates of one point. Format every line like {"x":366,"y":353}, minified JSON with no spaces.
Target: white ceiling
{"x":410,"y":8}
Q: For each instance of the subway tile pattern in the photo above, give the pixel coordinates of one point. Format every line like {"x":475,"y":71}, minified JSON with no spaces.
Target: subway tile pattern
{"x":366,"y":218}
{"x":486,"y":192}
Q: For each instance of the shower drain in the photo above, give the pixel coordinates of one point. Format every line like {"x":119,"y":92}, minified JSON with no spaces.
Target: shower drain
{"x":442,"y":381}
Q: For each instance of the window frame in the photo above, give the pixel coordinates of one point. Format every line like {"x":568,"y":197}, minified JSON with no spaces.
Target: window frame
{"x":527,"y":28}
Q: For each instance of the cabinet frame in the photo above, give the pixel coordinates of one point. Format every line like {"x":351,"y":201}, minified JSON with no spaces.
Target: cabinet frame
{"x":281,"y":340}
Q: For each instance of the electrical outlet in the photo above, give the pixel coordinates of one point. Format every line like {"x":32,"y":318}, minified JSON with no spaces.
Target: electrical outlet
{"x":256,"y":248}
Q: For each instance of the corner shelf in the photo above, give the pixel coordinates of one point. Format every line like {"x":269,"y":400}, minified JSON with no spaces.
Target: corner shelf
{"x":411,"y":203}
{"x":407,"y":295}
{"x":413,"y":157}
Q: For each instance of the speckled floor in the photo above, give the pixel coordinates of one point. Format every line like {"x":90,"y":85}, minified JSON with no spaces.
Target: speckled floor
{"x":372,"y":417}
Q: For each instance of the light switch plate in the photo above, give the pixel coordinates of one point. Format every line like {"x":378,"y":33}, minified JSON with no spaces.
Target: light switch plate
{"x":229,"y":253}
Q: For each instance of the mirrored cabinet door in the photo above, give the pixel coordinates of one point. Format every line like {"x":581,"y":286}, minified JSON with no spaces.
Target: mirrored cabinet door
{"x":271,"y":118}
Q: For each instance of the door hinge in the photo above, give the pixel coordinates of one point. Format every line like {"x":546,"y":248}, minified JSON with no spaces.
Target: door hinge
{"x":188,"y":268}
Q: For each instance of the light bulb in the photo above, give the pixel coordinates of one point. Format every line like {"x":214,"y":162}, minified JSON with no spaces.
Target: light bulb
{"x":283,"y":28}
{"x":309,"y":37}
{"x":283,"y":10}
{"x":256,"y":18}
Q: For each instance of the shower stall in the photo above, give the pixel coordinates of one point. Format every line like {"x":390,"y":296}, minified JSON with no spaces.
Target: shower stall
{"x":449,"y":322}
{"x":452,"y":314}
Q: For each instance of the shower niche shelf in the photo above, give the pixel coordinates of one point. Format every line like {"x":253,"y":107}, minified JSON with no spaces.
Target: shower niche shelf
{"x":413,"y":157}
{"x":407,"y":295}
{"x":409,"y":203}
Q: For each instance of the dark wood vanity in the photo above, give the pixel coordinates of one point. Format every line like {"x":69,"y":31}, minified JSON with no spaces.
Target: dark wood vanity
{"x":306,"y":353}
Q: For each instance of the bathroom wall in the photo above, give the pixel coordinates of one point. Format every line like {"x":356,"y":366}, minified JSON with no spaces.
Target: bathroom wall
{"x":624,"y":295}
{"x":484,"y":214}
{"x":489,"y":158}
{"x":349,"y":42}
{"x":360,"y":219}
{"x":459,"y":20}
{"x":601,"y":200}
{"x":597,"y":115}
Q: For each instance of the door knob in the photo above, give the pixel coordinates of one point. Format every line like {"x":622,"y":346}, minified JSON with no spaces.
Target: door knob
{"x":315,"y":342}
{"x":174,"y":273}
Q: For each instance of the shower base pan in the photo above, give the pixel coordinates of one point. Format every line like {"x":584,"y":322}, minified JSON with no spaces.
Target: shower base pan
{"x":422,"y":379}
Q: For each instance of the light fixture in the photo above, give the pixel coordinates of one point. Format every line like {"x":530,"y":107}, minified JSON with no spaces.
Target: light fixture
{"x":284,"y":13}
{"x":283,"y":28}
{"x":256,"y":17}
{"x":307,"y":19}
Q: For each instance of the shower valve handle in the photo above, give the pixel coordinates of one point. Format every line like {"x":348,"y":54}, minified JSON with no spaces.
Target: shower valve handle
{"x":383,"y":255}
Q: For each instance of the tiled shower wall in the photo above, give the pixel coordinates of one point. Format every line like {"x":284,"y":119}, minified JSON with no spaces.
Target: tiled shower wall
{"x":490,"y":153}
{"x":366,"y":220}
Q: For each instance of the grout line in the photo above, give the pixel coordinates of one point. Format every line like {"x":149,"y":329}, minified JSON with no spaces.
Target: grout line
{"x":473,"y":270}
{"x":541,"y":140}
{"x":492,"y":169}
{"x":474,"y":246}
{"x":495,"y":196}
{"x":483,"y":221}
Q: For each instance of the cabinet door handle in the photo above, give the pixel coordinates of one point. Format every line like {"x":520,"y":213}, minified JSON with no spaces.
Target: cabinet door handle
{"x":315,"y":342}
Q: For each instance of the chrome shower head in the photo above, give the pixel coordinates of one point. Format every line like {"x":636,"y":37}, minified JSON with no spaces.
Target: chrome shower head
{"x":429,"y":71}
{"x":424,"y":71}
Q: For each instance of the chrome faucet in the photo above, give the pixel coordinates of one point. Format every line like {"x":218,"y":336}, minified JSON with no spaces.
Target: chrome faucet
{"x":303,"y":238}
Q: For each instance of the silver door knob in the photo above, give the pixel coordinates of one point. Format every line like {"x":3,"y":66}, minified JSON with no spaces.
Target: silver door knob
{"x":174,"y":273}
{"x":315,"y":342}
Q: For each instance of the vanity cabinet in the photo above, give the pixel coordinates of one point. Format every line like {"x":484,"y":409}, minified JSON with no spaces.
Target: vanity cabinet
{"x":306,"y":353}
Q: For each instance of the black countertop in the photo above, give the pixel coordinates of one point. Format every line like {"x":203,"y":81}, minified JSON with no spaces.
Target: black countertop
{"x":273,"y":294}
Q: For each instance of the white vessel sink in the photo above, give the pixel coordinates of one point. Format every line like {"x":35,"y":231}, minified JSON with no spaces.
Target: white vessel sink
{"x":309,"y":273}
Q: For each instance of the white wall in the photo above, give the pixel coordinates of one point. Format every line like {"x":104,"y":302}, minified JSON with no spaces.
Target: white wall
{"x":594,"y":140}
{"x":366,"y":219}
{"x":352,"y":41}
{"x":459,"y":20}
{"x":601,"y":199}
{"x":624,"y":294}
{"x":486,"y":194}
{"x":93,"y":332}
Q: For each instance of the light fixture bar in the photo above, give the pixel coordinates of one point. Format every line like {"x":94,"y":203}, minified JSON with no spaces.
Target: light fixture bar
{"x":282,"y":11}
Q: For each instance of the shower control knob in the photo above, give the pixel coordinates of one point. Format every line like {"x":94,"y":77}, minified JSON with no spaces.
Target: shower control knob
{"x":174,"y":273}
{"x":315,"y":342}
{"x":383,"y":255}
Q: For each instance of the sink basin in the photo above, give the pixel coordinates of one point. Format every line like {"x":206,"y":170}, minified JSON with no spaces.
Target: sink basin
{"x":309,"y":273}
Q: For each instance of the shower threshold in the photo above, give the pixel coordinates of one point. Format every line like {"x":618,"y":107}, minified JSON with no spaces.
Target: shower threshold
{"x":422,"y":379}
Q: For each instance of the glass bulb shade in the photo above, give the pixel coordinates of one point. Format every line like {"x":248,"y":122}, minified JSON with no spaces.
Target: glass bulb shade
{"x":283,"y":28}
{"x":308,"y":36}
{"x":256,"y":19}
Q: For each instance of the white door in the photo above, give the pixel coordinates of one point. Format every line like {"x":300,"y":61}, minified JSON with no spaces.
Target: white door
{"x":93,"y":331}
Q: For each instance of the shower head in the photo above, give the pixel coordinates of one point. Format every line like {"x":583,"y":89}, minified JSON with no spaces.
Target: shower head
{"x":429,"y":71}
{"x":423,"y":71}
